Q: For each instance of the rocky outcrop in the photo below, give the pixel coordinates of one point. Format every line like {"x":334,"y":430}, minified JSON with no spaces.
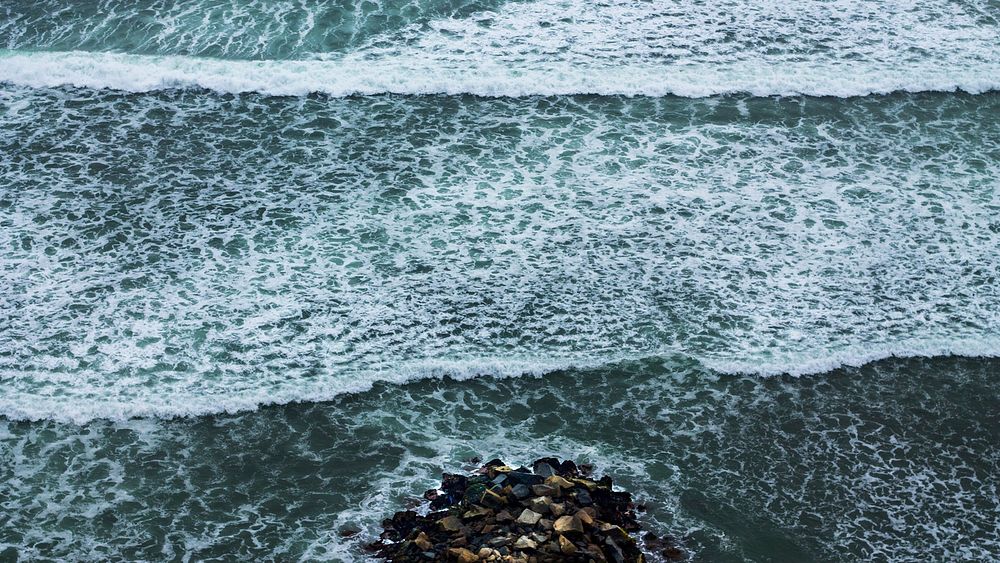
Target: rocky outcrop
{"x":553,"y":511}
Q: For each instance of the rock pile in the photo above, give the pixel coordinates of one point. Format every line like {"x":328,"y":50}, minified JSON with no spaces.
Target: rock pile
{"x":551,"y":512}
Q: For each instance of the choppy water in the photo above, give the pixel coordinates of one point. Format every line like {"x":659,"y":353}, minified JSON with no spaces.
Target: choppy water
{"x":206,"y":207}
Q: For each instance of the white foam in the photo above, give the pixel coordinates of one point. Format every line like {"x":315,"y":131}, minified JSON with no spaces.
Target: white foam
{"x":823,"y":361}
{"x":317,"y":251}
{"x":19,"y":405}
{"x":406,"y":74}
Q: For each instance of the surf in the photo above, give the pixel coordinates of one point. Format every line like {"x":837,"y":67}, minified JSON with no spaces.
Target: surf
{"x":356,"y":75}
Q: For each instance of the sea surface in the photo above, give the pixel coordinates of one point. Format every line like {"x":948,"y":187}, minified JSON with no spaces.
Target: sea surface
{"x":268,"y":267}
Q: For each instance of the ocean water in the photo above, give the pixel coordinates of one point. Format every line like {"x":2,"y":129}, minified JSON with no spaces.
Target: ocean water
{"x":268,"y":267}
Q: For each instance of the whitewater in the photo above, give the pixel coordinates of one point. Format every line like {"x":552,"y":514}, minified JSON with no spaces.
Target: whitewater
{"x":194,"y":256}
{"x":268,"y":267}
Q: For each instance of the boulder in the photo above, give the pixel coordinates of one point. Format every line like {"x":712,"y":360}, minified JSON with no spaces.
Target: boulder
{"x":566,"y":546}
{"x":544,"y":490}
{"x":529,"y":517}
{"x":540,"y":504}
{"x":450,"y":524}
{"x":568,"y":525}
{"x":462,"y":555}
{"x":524,"y":542}
{"x":520,"y":491}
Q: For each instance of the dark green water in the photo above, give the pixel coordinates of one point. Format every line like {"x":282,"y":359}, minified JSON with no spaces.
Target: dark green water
{"x":268,"y":267}
{"x":897,"y":460}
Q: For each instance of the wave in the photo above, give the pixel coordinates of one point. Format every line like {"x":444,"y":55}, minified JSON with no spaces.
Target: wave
{"x":856,"y":356}
{"x":242,"y":29}
{"x":20,"y":406}
{"x":409,"y":75}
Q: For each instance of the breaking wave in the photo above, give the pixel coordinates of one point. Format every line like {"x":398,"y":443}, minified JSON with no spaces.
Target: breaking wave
{"x":407,"y":74}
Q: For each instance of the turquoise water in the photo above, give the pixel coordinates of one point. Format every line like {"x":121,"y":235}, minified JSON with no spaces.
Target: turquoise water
{"x":268,"y":268}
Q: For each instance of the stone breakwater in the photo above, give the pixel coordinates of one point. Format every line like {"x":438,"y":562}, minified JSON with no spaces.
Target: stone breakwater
{"x":551,"y":512}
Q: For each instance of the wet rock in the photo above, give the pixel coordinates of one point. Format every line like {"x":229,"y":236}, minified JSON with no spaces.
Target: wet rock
{"x":523,"y":478}
{"x":546,"y":466}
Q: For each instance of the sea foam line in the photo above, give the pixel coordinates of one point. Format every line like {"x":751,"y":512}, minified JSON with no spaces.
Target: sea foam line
{"x":415,"y":75}
{"x":24,"y":406}
{"x":819,"y":362}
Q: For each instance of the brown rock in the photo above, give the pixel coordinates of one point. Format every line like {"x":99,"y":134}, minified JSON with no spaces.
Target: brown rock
{"x":585,"y":518}
{"x":423,"y":542}
{"x":462,"y":555}
{"x":544,"y":490}
{"x":545,"y":524}
{"x":559,"y":482}
{"x":557,"y":509}
{"x":604,"y":526}
{"x":476,"y":512}
{"x":450,"y":524}
{"x":568,"y":525}
{"x":566,"y":546}
{"x":504,"y":516}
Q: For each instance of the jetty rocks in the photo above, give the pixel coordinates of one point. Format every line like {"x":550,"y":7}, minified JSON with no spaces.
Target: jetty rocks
{"x":551,"y":512}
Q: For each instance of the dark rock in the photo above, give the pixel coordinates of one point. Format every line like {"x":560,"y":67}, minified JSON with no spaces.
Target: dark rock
{"x":524,"y":478}
{"x":544,"y":490}
{"x":521,"y":491}
{"x":568,"y":469}
{"x":561,"y":515}
{"x":545,"y":466}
